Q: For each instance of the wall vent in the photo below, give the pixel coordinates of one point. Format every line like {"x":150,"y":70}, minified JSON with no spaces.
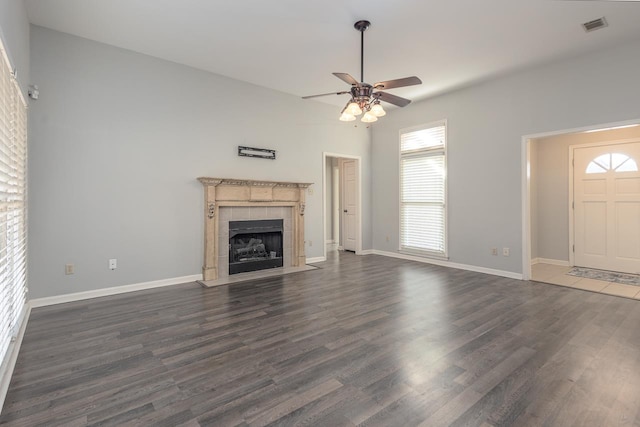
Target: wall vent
{"x":596,"y":24}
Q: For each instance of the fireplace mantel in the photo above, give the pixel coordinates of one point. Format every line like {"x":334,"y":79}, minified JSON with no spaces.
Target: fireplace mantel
{"x":227,"y":192}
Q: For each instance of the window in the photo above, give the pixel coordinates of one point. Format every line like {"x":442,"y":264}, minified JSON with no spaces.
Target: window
{"x":423,"y":215}
{"x":612,"y":161}
{"x":13,"y":147}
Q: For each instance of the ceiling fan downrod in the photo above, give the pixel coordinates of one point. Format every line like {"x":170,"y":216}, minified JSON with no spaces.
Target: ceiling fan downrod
{"x":362,"y":27}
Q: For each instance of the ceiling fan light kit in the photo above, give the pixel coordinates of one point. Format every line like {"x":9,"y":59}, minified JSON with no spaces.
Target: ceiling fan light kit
{"x":369,"y":117}
{"x":377,"y":109}
{"x":365,"y":97}
{"x":353,"y":108}
{"x":346,"y":117}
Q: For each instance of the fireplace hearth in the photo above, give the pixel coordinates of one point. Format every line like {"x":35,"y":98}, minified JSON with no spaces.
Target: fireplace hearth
{"x":255,"y":245}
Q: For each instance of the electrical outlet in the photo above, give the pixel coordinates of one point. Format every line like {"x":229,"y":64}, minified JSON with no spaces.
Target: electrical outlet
{"x":113,"y":264}
{"x":69,"y":269}
{"x":310,"y":243}
{"x":505,"y":251}
{"x":494,"y":251}
{"x":387,"y":238}
{"x":310,"y":190}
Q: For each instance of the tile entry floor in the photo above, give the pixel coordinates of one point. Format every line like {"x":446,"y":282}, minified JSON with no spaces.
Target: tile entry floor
{"x":556,"y":275}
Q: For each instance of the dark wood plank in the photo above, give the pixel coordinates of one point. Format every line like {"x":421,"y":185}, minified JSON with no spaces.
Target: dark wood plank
{"x":361,"y":341}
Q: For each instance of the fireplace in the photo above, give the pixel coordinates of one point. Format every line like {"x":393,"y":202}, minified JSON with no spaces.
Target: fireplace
{"x":229,"y":200}
{"x":255,"y":245}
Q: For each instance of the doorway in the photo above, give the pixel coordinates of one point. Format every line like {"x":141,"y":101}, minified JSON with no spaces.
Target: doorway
{"x":548,"y":200}
{"x":342,"y":214}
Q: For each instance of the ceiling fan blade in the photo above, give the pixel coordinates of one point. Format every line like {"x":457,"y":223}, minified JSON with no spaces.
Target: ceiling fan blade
{"x":325,"y":94}
{"x":390,"y":84}
{"x":392,"y":99}
{"x":345,"y":77}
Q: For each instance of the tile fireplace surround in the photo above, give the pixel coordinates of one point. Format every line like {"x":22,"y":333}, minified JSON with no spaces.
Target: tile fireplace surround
{"x":240,"y":193}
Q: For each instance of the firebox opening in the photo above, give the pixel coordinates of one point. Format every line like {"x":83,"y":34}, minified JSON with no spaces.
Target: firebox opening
{"x":255,"y":245}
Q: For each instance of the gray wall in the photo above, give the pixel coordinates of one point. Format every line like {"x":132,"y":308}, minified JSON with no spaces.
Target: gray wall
{"x":117,"y":141}
{"x":14,"y":30}
{"x":486,"y":123}
{"x":550,"y":188}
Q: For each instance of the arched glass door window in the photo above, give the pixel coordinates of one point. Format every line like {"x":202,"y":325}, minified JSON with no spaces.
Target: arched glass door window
{"x":612,"y":161}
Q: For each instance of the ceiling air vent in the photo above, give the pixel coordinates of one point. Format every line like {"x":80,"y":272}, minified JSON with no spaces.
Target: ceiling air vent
{"x":596,"y":24}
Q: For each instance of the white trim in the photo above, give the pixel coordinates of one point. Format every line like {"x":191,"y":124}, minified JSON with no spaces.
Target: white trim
{"x":423,"y":254}
{"x":358,"y":160}
{"x":316,"y":259}
{"x":329,"y":242}
{"x":442,"y":263}
{"x":570,"y":208}
{"x":550,"y":261}
{"x":526,"y":209}
{"x":582,"y":129}
{"x":365,"y":252}
{"x":12,"y":356}
{"x":78,"y":296}
{"x":425,"y":126}
{"x":526,"y":193}
{"x":445,"y":150}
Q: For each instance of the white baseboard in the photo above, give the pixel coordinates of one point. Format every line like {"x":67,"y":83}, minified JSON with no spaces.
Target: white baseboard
{"x":449,"y":264}
{"x":12,"y":356}
{"x":78,"y":296}
{"x":559,"y":262}
{"x":365,"y":252}
{"x":329,"y":242}
{"x":340,"y":248}
{"x":316,"y":259}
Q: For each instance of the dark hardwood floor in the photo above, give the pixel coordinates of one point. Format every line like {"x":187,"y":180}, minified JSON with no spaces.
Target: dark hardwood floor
{"x":368,"y":340}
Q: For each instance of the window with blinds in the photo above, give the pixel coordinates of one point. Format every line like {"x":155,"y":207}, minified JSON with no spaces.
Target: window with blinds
{"x":423,"y":216}
{"x":13,"y":156}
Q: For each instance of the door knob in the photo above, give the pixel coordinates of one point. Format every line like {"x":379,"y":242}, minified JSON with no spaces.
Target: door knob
{"x":345,"y":211}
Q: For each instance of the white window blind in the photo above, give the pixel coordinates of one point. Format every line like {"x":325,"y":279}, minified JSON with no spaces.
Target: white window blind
{"x":423,"y":139}
{"x":423,"y":190}
{"x":13,"y":156}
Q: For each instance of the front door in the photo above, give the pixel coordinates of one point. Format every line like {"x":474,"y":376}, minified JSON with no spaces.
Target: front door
{"x":607,"y":207}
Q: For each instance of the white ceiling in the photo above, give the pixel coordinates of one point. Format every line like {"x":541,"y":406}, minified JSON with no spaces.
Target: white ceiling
{"x":294,"y":45}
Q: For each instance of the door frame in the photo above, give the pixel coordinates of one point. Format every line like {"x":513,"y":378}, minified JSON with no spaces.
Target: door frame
{"x":358,"y":160}
{"x":526,"y":182}
{"x":572,"y":241}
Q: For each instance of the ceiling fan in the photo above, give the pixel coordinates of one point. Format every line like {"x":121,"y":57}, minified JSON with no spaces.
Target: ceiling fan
{"x":365,"y":97}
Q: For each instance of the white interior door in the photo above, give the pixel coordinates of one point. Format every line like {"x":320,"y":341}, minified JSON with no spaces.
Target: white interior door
{"x":607,"y":207}
{"x":335,"y":195}
{"x":349,"y":204}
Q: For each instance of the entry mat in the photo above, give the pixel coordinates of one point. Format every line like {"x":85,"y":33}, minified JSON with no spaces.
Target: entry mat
{"x":607,"y":276}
